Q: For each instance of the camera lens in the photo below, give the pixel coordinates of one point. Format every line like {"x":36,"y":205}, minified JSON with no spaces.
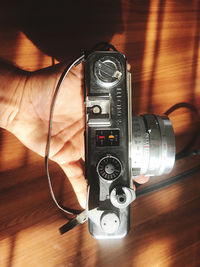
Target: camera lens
{"x":152,"y":146}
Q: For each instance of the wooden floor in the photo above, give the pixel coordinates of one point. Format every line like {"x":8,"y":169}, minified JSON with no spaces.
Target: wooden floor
{"x":161,"y":40}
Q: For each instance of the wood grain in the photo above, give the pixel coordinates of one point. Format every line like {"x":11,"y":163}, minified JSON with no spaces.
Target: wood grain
{"x":161,"y":40}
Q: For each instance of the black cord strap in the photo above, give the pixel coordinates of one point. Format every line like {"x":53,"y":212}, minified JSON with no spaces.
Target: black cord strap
{"x":186,"y":151}
{"x":167,"y":182}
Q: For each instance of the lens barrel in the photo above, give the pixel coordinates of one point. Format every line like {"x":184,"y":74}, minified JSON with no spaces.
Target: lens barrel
{"x":153,"y":145}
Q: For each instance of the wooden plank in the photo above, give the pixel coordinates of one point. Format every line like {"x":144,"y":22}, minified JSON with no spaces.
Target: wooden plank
{"x":162,"y":42}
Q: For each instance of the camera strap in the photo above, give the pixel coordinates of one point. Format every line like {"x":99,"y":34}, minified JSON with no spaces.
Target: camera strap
{"x":79,"y":219}
{"x":81,"y":216}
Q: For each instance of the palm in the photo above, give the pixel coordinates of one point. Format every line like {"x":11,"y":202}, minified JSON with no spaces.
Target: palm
{"x":31,"y":122}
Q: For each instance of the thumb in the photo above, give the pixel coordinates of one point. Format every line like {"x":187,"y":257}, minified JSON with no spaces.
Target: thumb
{"x":75,"y":174}
{"x":141,"y":179}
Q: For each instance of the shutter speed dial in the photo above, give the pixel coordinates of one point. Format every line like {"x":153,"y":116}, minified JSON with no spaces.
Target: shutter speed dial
{"x":109,"y":167}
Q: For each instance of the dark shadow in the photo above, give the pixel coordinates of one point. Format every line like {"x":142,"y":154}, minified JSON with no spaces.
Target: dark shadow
{"x":195,"y":54}
{"x":137,"y":19}
{"x":64,"y":29}
{"x":26,"y":157}
{"x":12,"y":250}
{"x":155,"y":53}
{"x":78,"y":256}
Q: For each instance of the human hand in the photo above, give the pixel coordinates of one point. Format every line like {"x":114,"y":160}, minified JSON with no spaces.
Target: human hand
{"x":30,"y":124}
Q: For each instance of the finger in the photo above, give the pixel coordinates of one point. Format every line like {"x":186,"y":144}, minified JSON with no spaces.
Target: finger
{"x":134,"y":187}
{"x":71,"y":151}
{"x":75,"y":174}
{"x":141,"y":179}
{"x":65,"y":133}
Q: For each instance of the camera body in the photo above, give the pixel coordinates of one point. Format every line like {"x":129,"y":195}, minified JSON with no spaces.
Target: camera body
{"x":107,"y":143}
{"x":118,"y":146}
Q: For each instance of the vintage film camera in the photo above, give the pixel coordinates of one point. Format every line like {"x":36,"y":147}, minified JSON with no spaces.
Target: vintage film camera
{"x":118,"y":146}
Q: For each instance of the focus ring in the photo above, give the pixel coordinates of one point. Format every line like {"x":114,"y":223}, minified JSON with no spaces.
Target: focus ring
{"x":153,"y":145}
